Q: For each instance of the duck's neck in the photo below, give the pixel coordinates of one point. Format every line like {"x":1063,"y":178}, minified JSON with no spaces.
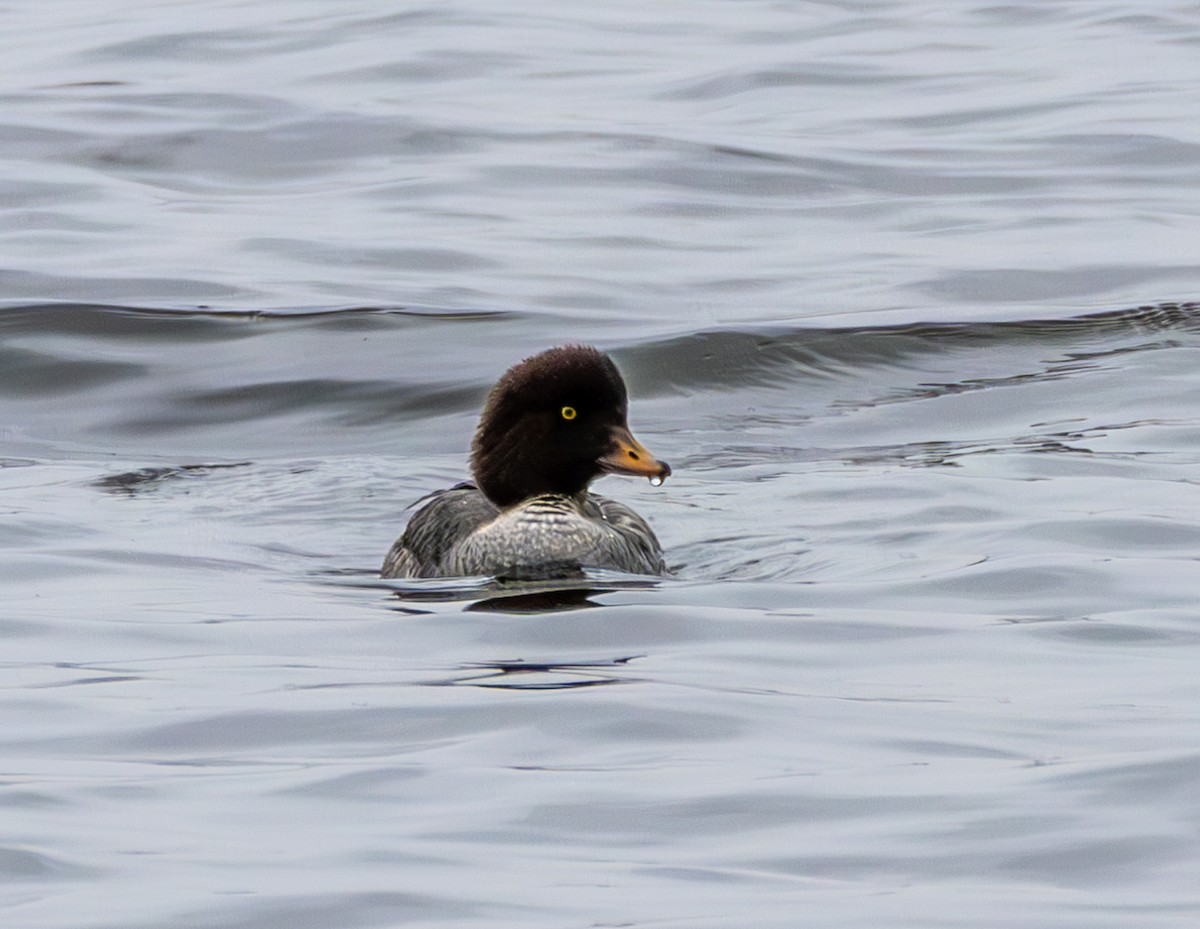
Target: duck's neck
{"x":508,"y":485}
{"x":515,"y":497}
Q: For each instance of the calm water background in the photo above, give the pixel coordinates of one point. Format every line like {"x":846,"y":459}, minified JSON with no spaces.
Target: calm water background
{"x":931,"y":655}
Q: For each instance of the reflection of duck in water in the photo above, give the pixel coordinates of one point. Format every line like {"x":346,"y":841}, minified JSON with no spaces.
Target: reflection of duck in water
{"x":551,"y":425}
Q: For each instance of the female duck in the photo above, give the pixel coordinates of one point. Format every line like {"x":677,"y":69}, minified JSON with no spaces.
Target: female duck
{"x":551,"y":425}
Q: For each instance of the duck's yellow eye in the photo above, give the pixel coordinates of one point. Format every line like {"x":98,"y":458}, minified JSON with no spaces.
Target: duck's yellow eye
{"x":568,"y":412}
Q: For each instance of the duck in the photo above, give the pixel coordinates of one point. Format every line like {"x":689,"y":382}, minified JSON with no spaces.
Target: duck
{"x":551,"y":425}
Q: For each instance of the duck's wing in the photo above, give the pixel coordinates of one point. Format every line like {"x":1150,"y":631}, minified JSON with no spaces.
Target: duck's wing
{"x":447,"y":517}
{"x":640,"y":551}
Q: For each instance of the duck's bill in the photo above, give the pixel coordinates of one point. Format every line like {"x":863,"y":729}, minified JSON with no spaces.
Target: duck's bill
{"x":629,"y":456}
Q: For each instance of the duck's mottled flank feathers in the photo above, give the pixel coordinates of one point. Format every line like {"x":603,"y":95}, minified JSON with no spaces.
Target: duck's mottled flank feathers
{"x":460,"y":533}
{"x":448,"y":517}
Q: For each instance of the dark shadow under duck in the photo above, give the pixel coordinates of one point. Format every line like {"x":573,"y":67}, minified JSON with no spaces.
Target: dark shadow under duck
{"x":550,"y":426}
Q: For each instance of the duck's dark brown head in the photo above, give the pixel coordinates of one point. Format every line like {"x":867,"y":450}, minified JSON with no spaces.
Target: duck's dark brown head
{"x":552,"y":424}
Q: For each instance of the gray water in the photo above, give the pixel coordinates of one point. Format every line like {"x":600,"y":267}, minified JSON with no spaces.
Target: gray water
{"x":901,"y":290}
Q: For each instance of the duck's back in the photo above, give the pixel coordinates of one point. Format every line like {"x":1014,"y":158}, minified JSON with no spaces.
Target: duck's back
{"x":448,"y":517}
{"x":460,"y":533}
{"x":642,"y":552}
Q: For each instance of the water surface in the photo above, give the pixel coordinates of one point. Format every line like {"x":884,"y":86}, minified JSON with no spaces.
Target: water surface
{"x":903,"y":293}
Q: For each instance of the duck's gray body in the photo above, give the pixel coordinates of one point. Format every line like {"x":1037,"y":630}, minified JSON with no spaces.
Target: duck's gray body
{"x":460,"y":533}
